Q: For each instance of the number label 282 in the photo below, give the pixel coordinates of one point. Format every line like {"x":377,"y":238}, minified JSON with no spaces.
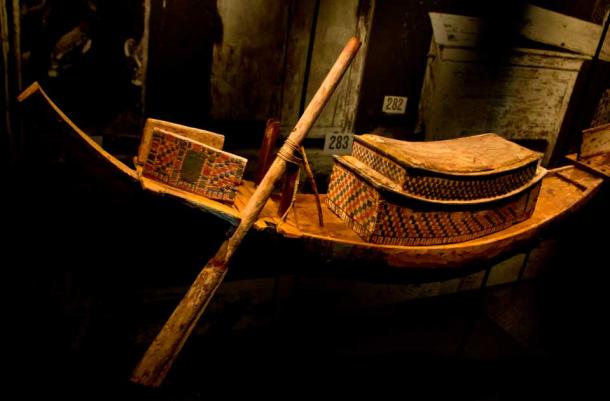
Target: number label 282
{"x":394,"y":104}
{"x":338,"y":143}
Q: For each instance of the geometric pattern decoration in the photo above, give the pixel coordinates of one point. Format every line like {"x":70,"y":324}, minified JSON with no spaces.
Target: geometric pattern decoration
{"x":193,"y":167}
{"x":378,"y":162}
{"x":408,"y":221}
{"x":437,"y":186}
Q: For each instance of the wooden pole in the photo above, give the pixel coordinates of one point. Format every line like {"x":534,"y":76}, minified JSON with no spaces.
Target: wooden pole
{"x":314,"y":186}
{"x":17,"y":42}
{"x":288,"y":188}
{"x":587,"y":85}
{"x":6,"y":83}
{"x":161,"y":354}
{"x":272,"y":131}
{"x":293,"y":171}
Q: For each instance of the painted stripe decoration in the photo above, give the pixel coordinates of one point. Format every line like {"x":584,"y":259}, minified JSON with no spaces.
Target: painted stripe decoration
{"x":444,"y":187}
{"x":193,"y":167}
{"x":381,"y":221}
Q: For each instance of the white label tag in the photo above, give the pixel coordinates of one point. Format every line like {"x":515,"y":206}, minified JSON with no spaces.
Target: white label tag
{"x":394,"y":104}
{"x":338,"y":144}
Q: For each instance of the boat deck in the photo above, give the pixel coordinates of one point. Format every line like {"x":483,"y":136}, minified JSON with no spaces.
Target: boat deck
{"x":563,"y":191}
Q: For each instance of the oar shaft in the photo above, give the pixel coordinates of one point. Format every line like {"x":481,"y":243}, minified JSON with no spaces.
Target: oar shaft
{"x":299,"y":132}
{"x":161,"y":354}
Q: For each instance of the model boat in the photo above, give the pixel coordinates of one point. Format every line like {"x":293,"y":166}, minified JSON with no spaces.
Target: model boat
{"x":335,"y":241}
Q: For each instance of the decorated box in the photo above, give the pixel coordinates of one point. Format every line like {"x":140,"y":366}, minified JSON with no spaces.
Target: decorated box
{"x":468,"y":168}
{"x":187,"y":164}
{"x":380,"y":194}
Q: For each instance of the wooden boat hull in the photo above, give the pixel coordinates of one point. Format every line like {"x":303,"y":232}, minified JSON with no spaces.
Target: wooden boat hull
{"x":333,"y":247}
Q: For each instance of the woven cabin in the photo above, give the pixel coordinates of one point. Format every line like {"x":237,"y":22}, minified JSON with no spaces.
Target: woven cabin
{"x":423,"y":193}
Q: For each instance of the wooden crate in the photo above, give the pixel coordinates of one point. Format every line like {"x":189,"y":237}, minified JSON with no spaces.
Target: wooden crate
{"x":522,"y":95}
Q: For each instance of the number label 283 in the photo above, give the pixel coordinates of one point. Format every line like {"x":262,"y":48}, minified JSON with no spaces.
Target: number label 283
{"x":338,"y":144}
{"x":394,"y":105}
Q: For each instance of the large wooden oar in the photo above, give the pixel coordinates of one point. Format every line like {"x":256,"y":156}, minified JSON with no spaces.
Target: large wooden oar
{"x":159,"y":357}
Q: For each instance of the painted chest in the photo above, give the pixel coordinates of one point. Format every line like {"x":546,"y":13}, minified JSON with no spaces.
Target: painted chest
{"x":424,"y":193}
{"x":191,"y":161}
